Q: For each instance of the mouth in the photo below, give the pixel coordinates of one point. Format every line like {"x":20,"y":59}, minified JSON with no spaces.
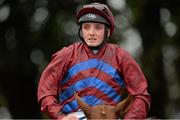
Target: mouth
{"x":92,"y":39}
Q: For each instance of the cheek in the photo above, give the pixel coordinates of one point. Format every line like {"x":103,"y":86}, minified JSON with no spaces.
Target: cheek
{"x":101,"y":35}
{"x":101,"y":32}
{"x":84,"y":34}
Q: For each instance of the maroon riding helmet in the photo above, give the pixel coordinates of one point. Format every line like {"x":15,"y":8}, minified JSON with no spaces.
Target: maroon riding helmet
{"x":96,"y":12}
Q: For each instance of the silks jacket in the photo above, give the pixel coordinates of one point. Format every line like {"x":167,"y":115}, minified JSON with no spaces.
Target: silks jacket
{"x":98,"y":78}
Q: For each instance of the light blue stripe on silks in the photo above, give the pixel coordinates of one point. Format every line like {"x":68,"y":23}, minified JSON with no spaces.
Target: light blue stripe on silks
{"x":94,"y":63}
{"x":91,"y":100}
{"x":90,"y":82}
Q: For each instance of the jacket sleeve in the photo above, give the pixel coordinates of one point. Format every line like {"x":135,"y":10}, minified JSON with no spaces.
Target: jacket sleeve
{"x":48,"y":88}
{"x":137,"y":86}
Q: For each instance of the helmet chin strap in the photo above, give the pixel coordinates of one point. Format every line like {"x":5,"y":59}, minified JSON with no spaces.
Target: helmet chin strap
{"x":96,"y":48}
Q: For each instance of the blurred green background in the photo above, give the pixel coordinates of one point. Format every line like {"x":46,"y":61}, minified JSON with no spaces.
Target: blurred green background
{"x":32,"y":30}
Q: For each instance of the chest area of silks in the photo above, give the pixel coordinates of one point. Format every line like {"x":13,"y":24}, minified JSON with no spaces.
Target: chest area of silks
{"x":96,"y":81}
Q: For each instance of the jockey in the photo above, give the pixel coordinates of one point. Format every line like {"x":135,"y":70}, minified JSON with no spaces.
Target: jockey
{"x":98,"y":71}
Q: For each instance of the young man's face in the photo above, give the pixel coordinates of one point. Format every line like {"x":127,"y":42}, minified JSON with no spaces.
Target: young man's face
{"x":93,"y":33}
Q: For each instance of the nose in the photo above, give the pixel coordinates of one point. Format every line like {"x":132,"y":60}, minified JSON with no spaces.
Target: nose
{"x":92,"y":31}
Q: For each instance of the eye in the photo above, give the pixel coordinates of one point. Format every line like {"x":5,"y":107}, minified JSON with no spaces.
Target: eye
{"x":99,"y":26}
{"x":86,"y":26}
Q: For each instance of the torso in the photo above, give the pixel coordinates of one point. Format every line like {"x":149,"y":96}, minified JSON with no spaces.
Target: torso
{"x":96,"y":77}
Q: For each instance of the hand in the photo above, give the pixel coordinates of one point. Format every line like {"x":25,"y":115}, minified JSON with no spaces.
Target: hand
{"x":70,"y":117}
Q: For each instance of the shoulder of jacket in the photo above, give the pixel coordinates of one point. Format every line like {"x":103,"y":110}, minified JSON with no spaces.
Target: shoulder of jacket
{"x":66,"y":50}
{"x":115,"y":47}
{"x":118,"y":49}
{"x":111,"y":45}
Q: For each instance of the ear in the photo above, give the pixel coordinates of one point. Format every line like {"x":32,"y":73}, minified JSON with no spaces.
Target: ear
{"x":123,"y":106}
{"x":82,"y":105}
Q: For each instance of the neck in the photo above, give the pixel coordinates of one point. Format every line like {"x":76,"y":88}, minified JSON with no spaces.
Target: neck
{"x":96,"y":49}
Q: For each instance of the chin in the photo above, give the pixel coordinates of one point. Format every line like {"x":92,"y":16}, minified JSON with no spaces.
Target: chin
{"x":92,"y":45}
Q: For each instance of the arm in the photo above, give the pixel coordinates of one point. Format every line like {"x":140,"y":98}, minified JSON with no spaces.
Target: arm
{"x":136,"y":85}
{"x":48,"y":88}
